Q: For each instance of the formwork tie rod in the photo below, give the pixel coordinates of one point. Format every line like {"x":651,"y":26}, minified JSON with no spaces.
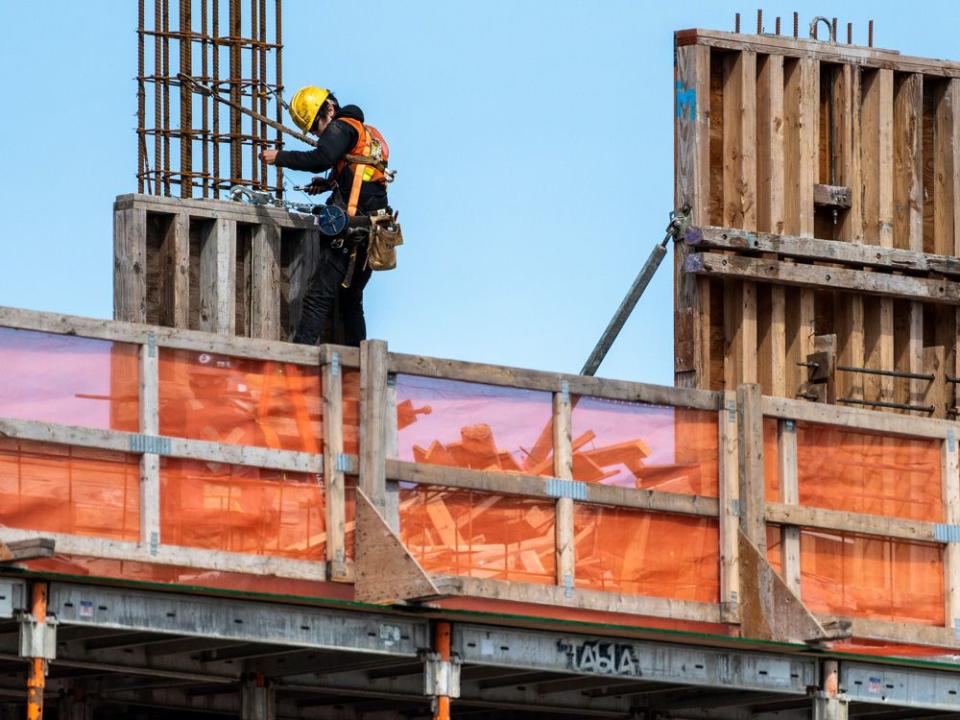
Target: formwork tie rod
{"x":887,"y":373}
{"x":679,"y":220}
{"x":884,"y":404}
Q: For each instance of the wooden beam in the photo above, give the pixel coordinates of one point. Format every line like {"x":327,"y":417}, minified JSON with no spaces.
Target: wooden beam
{"x":149,"y":461}
{"x":130,"y":264}
{"x":692,"y":187}
{"x":951,"y":507}
{"x":218,"y":265}
{"x":789,"y":495}
{"x":905,"y":287}
{"x":265,"y":283}
{"x":563,"y":469}
{"x":212,"y":209}
{"x":840,"y":197}
{"x":859,"y":523}
{"x":20,"y":550}
{"x":729,"y":511}
{"x":336,"y":513}
{"x":175,"y":272}
{"x":373,"y":421}
{"x":516,"y":484}
{"x":750,"y":461}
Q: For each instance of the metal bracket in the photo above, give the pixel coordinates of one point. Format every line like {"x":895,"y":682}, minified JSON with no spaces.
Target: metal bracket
{"x":565,"y":391}
{"x":38,"y":639}
{"x":335,"y":364}
{"x":946,"y":533}
{"x":151,"y":344}
{"x":574,"y":489}
{"x":441,"y":677}
{"x":153,"y":444}
{"x":345,"y":464}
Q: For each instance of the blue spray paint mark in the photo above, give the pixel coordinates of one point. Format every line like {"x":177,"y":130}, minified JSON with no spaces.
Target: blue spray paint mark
{"x":686,"y":98}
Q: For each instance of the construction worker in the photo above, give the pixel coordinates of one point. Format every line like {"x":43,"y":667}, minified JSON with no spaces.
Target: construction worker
{"x":342,"y":271}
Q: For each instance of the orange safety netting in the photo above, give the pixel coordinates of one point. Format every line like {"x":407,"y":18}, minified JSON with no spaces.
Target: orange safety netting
{"x":62,"y":489}
{"x":242,"y":509}
{"x":240,"y":401}
{"x":469,"y":425}
{"x":645,"y":446}
{"x":69,"y":380}
{"x":872,"y":577}
{"x":645,"y":553}
{"x":480,"y":535}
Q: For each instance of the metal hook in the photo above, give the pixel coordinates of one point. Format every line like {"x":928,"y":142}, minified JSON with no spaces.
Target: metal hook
{"x":831,"y":33}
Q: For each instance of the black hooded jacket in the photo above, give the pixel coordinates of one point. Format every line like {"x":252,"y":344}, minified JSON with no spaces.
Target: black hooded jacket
{"x":333,"y":143}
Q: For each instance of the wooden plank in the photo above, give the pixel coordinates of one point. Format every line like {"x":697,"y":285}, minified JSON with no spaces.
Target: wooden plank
{"x":169,"y":446}
{"x":946,"y":221}
{"x":729,"y":505}
{"x":826,"y":278}
{"x":828,"y":251}
{"x":149,"y":462}
{"x":789,"y":495}
{"x":582,"y":599}
{"x":692,"y":187}
{"x":165,"y":337}
{"x":551,"y":382}
{"x":175,"y":271}
{"x":265,"y":283}
{"x":850,"y":417}
{"x":740,"y":210}
{"x":373,"y":421}
{"x":212,"y":209}
{"x":130,"y":264}
{"x":898,"y":632}
{"x":817,"y":50}
{"x":951,"y":506}
{"x":386,"y":572}
{"x":392,"y":508}
{"x":750,"y":461}
{"x":563,"y":469}
{"x":843,"y":521}
{"x":218,"y":261}
{"x":21,"y":550}
{"x":336,"y":513}
{"x":515,"y":484}
{"x":840,"y":197}
{"x":269,"y":565}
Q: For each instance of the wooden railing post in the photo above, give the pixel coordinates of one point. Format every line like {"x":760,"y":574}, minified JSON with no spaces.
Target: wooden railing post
{"x":332,"y":388}
{"x":729,"y":511}
{"x":150,"y":460}
{"x":750,"y":452}
{"x":373,"y":422}
{"x":790,"y":495}
{"x":951,"y":507}
{"x":130,"y":265}
{"x":563,"y":469}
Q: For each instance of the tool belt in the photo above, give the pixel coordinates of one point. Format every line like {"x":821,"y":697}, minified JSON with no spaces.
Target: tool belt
{"x":381,"y":235}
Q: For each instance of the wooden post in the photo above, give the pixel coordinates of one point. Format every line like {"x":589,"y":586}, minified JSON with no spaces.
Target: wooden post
{"x":740,"y":211}
{"x":951,"y":507}
{"x":692,"y":167}
{"x":265,"y":282}
{"x":218,"y":261}
{"x":373,"y":422}
{"x":149,"y":461}
{"x":729,"y":511}
{"x":750,"y":459}
{"x":392,"y":514}
{"x":563,"y":469}
{"x":332,"y":474}
{"x":130,"y":265}
{"x":174,"y":267}
{"x":790,"y":495}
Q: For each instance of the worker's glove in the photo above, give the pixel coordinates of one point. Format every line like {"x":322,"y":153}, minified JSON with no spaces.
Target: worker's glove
{"x":319,"y":185}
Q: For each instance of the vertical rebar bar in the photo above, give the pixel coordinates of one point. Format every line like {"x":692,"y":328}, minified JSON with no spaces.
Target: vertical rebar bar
{"x":157,"y":98}
{"x":204,"y":114}
{"x":216,"y":106}
{"x":141,"y":102}
{"x":262,"y":87}
{"x":278,"y":60}
{"x":736,"y":23}
{"x":254,"y":73}
{"x":759,"y":21}
{"x":849,"y":33}
{"x":777,"y":25}
{"x":236,"y":159}
{"x":165,"y":80}
{"x":186,"y":100}
{"x":870,"y":34}
{"x":796,"y":24}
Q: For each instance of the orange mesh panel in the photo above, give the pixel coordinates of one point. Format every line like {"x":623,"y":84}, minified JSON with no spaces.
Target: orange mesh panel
{"x":469,"y":425}
{"x":480,"y":535}
{"x":240,"y":401}
{"x":878,"y":578}
{"x":644,"y":553}
{"x":775,"y":548}
{"x":350,"y":514}
{"x":350,"y":380}
{"x":241,"y":509}
{"x":645,"y":446}
{"x":69,"y":380}
{"x":56,"y":488}
{"x":771,"y":460}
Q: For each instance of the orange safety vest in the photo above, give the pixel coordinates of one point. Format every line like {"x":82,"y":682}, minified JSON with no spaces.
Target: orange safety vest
{"x":368,"y":157}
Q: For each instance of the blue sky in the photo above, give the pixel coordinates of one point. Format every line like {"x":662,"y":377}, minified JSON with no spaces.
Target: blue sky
{"x":533,"y":141}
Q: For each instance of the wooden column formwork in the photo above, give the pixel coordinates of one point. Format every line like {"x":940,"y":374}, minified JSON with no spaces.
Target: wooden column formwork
{"x":212,"y":265}
{"x":835,"y":145}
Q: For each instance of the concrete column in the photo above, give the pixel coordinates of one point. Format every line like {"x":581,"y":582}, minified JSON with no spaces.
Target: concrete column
{"x":257,"y":700}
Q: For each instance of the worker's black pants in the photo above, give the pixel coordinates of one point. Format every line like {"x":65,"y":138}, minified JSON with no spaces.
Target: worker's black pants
{"x":326,"y":300}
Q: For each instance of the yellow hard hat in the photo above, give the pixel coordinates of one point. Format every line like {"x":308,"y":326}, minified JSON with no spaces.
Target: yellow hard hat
{"x":305,"y":105}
